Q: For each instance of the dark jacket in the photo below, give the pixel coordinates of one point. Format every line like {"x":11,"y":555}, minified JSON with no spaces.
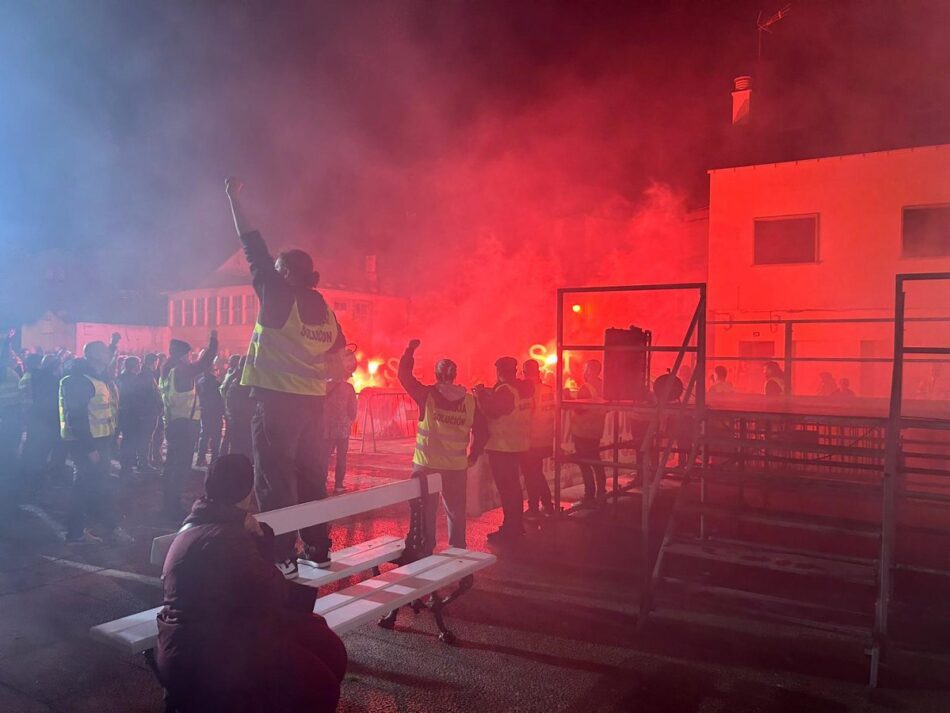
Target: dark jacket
{"x":498,"y":402}
{"x":276,"y":295}
{"x":209,"y":396}
{"x":77,"y":392}
{"x":187,"y":372}
{"x":227,"y":610}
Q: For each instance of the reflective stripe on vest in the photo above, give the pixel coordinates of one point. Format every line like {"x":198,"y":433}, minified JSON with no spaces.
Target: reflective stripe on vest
{"x":589,"y":423}
{"x":291,"y":359}
{"x":103,"y":409}
{"x":178,"y":404}
{"x":510,"y":433}
{"x":443,"y":435}
{"x":9,"y":389}
{"x":542,"y":417}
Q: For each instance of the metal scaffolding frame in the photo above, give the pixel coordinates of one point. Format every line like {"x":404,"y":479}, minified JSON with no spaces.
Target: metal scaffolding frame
{"x":646,"y":448}
{"x":750,"y":453}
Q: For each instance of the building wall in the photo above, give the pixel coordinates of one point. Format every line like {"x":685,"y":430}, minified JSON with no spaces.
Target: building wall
{"x":859,"y":201}
{"x":376,"y":323}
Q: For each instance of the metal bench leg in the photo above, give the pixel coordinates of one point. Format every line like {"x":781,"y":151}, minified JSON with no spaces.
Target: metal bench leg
{"x":389,"y":621}
{"x":437,"y":604}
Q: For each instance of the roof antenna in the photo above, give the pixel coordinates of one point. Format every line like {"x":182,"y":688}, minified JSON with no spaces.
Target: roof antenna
{"x":764,"y":25}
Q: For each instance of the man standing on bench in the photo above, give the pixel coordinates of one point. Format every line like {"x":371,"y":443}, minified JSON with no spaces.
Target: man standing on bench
{"x":296,"y":346}
{"x":447,"y":414}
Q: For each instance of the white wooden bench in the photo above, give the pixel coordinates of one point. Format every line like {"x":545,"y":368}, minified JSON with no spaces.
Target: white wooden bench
{"x":380,"y":596}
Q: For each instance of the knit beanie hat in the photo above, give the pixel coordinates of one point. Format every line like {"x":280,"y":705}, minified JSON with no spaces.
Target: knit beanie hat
{"x":229,"y":479}
{"x":177,"y":348}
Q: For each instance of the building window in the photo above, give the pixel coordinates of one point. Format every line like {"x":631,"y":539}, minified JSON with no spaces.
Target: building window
{"x":189,"y":313}
{"x":250,"y":309}
{"x":200,"y":312}
{"x":212,"y":311}
{"x":361,"y":310}
{"x":174,"y":317}
{"x":339,"y":306}
{"x":925,"y":231}
{"x":237,"y":310}
{"x":790,"y":239}
{"x":224,"y":307}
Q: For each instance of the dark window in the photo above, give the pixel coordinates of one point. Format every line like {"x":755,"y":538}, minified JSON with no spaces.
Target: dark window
{"x":175,"y":313}
{"x":237,"y":312}
{"x":189,"y":313}
{"x":339,"y":306}
{"x":926,"y":231}
{"x":786,"y":240}
{"x":225,"y":309}
{"x":212,"y":311}
{"x":250,"y":309}
{"x":361,"y":310}
{"x":199,"y":311}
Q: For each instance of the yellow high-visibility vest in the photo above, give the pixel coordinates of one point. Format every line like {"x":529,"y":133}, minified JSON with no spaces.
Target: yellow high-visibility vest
{"x":103,"y":409}
{"x":178,"y":404}
{"x":291,"y":359}
{"x":543,"y":414}
{"x":589,"y":423}
{"x":9,"y":389}
{"x":510,"y":433}
{"x":443,"y":434}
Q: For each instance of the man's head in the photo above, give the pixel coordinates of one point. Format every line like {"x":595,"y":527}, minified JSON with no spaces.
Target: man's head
{"x":445,"y":371}
{"x":51,"y":364}
{"x":177,"y":349}
{"x":506,"y":368}
{"x":772,"y":370}
{"x":532,"y":370}
{"x":32,"y":361}
{"x":721,"y":373}
{"x":132,"y":365}
{"x":97,"y":354}
{"x":150,"y":361}
{"x":234,"y":361}
{"x":230,"y":479}
{"x":592,"y":370}
{"x":296,"y":267}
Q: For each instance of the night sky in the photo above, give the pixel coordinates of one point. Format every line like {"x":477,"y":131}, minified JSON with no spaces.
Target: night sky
{"x":404,"y":128}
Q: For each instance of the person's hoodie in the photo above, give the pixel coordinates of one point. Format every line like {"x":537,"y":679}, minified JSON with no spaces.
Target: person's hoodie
{"x":77,"y":392}
{"x":446,"y":395}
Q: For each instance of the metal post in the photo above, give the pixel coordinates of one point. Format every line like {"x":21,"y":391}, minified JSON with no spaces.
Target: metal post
{"x":616,"y":459}
{"x":559,"y":402}
{"x":889,"y":487}
{"x":789,"y":363}
{"x":699,"y":427}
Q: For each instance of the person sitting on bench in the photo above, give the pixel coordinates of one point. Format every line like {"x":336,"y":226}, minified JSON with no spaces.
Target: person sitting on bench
{"x":234,"y":635}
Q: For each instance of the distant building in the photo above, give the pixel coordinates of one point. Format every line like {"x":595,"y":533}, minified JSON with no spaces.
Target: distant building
{"x":821,"y":239}
{"x":227,"y":302}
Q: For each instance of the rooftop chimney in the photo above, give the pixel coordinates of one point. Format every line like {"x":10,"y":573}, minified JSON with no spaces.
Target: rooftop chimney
{"x":741,"y":99}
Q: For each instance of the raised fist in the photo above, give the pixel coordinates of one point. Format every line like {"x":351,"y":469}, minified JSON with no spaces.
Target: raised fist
{"x":414,"y":344}
{"x":116,"y":337}
{"x":214,"y":333}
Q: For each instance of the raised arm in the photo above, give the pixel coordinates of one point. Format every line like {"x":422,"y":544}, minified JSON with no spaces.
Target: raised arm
{"x":416,"y":390}
{"x":232,"y":188}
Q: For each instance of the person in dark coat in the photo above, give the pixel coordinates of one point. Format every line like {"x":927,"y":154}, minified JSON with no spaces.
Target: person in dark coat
{"x":233,"y":634}
{"x":212,"y":416}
